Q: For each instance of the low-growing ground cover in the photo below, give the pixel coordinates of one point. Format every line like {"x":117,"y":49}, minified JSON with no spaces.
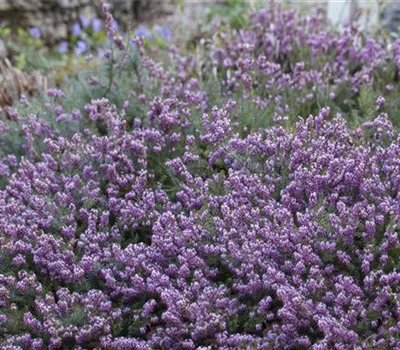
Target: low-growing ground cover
{"x":181,"y":203}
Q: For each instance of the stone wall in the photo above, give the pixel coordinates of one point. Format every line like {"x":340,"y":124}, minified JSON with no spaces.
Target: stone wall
{"x":55,"y":17}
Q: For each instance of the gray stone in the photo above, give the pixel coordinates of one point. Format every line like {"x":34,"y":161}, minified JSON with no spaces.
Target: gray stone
{"x":4,"y":6}
{"x":66,"y":4}
{"x":61,"y":30}
{"x":390,"y":17}
{"x":54,"y":17}
{"x":25,"y":5}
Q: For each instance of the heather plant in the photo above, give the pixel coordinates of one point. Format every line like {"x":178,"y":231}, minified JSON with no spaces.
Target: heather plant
{"x":282,"y":239}
{"x":148,"y":205}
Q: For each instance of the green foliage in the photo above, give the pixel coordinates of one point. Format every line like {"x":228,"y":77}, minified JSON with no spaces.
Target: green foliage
{"x":14,"y":324}
{"x":366,"y":101}
{"x":141,"y":235}
{"x":28,"y":53}
{"x":77,"y":317}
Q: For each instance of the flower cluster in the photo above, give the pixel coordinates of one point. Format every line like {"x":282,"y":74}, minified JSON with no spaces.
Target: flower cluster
{"x":289,"y":65}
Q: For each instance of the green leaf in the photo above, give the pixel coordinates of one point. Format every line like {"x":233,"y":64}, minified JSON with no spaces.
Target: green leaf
{"x":20,"y":61}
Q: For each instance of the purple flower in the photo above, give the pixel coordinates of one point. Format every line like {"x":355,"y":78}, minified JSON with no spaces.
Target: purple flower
{"x":97,"y":24}
{"x":85,"y":22}
{"x":76,"y":29}
{"x":35,"y":32}
{"x":88,"y":58}
{"x":165,"y":33}
{"x":63,"y":47}
{"x":80,"y":48}
{"x":55,"y":93}
{"x":143,"y":31}
{"x":380,"y":101}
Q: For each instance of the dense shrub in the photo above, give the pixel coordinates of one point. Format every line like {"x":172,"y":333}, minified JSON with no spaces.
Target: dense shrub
{"x":282,"y":238}
{"x":157,"y":211}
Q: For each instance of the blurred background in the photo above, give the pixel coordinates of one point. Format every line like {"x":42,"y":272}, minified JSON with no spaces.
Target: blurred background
{"x":43,"y":39}
{"x":54,"y":18}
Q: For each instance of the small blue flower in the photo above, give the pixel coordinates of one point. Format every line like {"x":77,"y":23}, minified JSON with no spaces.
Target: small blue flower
{"x":63,"y":47}
{"x":76,"y":29}
{"x":143,"y":31}
{"x":35,"y":32}
{"x":165,"y":33}
{"x":84,"y":21}
{"x":81,"y":47}
{"x":97,"y":25}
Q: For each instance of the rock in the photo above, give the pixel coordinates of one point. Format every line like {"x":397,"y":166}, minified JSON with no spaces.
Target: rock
{"x":4,"y":6}
{"x":14,"y":83}
{"x":54,"y":18}
{"x":25,"y":5}
{"x":390,"y":17}
{"x":67,"y":4}
{"x":61,"y":30}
